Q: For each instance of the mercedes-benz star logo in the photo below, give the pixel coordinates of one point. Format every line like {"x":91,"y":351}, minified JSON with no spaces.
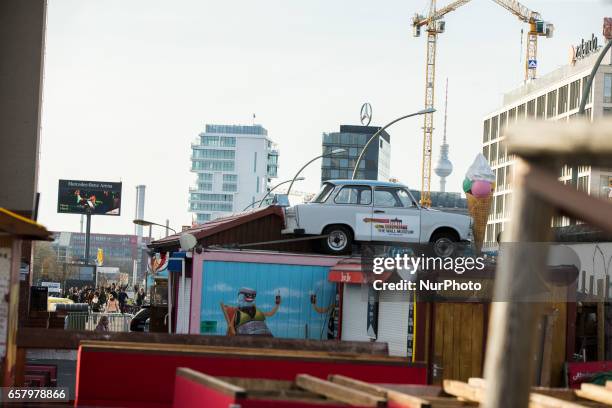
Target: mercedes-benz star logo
{"x":366,"y":114}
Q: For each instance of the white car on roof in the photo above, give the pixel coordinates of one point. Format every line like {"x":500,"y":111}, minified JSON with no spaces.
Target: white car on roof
{"x":365,"y":210}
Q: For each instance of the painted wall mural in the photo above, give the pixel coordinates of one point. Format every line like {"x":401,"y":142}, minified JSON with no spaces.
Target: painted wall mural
{"x":240,"y":298}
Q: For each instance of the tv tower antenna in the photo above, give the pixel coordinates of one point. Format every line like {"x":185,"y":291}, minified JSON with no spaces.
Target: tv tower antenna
{"x":444,"y":167}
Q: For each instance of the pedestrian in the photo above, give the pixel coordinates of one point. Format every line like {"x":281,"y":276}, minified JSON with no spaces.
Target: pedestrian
{"x":140,"y":297}
{"x":102,"y":324}
{"x":122,"y":298}
{"x":112,"y":305}
{"x":96,"y":305}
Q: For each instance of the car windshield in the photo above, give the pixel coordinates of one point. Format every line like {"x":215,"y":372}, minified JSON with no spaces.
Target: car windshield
{"x":324,"y":193}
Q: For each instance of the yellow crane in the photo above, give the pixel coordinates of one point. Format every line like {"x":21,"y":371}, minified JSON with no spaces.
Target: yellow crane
{"x":436,"y":25}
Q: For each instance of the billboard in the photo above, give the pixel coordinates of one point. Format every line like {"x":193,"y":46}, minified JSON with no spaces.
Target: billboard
{"x":79,"y":197}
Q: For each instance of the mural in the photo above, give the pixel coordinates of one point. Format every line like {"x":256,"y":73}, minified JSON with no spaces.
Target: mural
{"x":240,"y":298}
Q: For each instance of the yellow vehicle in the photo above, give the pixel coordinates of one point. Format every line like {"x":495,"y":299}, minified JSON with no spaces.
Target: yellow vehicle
{"x":52,"y":301}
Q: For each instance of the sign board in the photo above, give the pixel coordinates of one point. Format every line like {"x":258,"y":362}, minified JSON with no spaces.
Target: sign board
{"x":96,"y":197}
{"x":532,"y":64}
{"x":584,"y":49}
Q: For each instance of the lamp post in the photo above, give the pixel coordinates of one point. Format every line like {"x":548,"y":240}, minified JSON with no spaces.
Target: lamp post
{"x":333,"y":153}
{"x":268,"y":193}
{"x":150,"y":224}
{"x":375,"y":135}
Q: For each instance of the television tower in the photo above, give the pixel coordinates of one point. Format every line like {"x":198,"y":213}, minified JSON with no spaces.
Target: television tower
{"x":444,"y":167}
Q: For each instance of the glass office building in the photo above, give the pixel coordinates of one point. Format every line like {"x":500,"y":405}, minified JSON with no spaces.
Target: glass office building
{"x":375,"y":163}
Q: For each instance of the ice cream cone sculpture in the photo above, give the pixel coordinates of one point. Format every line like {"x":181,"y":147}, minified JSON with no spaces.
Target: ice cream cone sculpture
{"x":478,"y":186}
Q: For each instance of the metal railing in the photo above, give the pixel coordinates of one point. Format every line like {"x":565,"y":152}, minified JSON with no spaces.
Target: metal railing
{"x":117,"y":322}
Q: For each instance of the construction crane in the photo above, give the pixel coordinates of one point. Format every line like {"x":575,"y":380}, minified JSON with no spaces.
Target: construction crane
{"x":434,"y":26}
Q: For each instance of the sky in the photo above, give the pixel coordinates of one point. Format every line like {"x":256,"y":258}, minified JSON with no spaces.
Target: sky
{"x":128,"y":85}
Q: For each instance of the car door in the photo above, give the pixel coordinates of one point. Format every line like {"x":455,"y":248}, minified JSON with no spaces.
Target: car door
{"x":352,"y":205}
{"x":396,"y":216}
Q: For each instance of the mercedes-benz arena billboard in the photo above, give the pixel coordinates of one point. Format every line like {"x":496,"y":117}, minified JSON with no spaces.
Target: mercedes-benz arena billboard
{"x":96,"y":197}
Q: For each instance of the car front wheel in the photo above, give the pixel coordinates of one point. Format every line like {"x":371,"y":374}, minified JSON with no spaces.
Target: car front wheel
{"x":444,"y":244}
{"x":338,"y":240}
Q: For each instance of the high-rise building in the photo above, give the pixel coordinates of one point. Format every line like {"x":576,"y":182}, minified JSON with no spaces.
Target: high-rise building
{"x":373,"y":166}
{"x":555,"y":97}
{"x":234,"y":165}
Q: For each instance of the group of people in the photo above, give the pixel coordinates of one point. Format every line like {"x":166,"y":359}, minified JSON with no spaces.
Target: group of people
{"x":107,"y":299}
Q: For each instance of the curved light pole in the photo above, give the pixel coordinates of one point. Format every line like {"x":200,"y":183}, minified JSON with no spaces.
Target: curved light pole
{"x":375,"y":135}
{"x":333,"y":153}
{"x":587,"y":89}
{"x":149,"y":224}
{"x":268,"y":193}
{"x":274,"y":188}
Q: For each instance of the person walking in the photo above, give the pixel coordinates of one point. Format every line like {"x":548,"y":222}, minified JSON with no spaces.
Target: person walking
{"x":96,"y":305}
{"x":112,"y":305}
{"x":122,"y":298}
{"x":140,"y":297}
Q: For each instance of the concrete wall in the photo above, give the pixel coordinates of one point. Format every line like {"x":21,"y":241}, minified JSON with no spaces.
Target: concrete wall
{"x":22,"y":39}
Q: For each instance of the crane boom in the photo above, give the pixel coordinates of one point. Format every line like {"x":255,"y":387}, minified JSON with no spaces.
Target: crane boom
{"x":522,"y":12}
{"x":420,"y":21}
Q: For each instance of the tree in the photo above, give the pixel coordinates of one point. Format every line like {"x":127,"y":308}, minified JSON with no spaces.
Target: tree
{"x":46,"y":267}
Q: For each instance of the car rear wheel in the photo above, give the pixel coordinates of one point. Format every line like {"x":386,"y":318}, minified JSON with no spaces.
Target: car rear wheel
{"x":444,"y":244}
{"x":338,"y":241}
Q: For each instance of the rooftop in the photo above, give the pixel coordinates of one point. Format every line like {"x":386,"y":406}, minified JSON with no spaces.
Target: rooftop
{"x":237,"y":129}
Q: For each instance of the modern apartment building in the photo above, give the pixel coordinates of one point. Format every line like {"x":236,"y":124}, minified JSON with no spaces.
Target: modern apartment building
{"x":375,"y":163}
{"x":234,"y":165}
{"x":556,"y":97}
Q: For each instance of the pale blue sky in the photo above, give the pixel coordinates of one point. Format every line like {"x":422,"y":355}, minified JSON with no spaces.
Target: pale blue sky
{"x":130,"y":84}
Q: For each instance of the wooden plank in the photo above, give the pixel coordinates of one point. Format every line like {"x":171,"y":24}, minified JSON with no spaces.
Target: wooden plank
{"x":399,"y":398}
{"x":595,"y":392}
{"x":456,"y":353}
{"x":438,"y":340}
{"x":572,"y":202}
{"x":463,"y":390}
{"x":211,"y":382}
{"x":477,"y":339}
{"x":544,"y":401}
{"x":547,"y":350}
{"x":466,"y":338}
{"x":511,"y":342}
{"x":578,"y":142}
{"x":37,"y":338}
{"x":258,"y":383}
{"x":476,"y":382}
{"x":338,"y":392}
{"x":447,"y":353}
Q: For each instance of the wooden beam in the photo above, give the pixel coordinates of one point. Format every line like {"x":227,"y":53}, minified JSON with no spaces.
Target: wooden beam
{"x":574,"y":203}
{"x":463,"y":390}
{"x":596,"y":393}
{"x":211,"y":382}
{"x":399,"y":398}
{"x":578,"y":142}
{"x":338,"y":392}
{"x":513,"y":320}
{"x":545,"y":401}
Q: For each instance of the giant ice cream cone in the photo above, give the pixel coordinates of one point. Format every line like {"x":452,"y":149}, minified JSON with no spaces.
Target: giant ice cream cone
{"x":479,"y":210}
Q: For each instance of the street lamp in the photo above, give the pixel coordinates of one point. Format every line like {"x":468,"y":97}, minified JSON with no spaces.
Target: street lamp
{"x":150,"y":224}
{"x":333,"y":153}
{"x":271,"y":190}
{"x":375,"y":135}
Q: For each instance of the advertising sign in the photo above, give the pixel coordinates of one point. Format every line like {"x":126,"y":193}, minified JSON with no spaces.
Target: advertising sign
{"x":607,"y":28}
{"x":96,"y":197}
